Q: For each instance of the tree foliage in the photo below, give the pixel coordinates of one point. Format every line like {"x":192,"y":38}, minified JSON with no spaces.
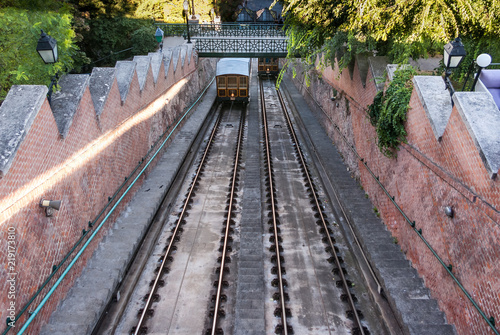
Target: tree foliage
{"x":397,"y":28}
{"x":20,"y":31}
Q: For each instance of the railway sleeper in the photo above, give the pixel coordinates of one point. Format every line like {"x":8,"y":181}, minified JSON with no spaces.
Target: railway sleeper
{"x":357,"y":331}
{"x":278,"y":312}
{"x":336,"y":271}
{"x":350,"y":314}
{"x":161,"y":283}
{"x":345,"y":297}
{"x":165,"y":269}
{"x":279,"y":329}
{"x":340,"y":283}
{"x":150,"y":312}
{"x":277,"y":296}
{"x":173,"y":248}
{"x":228,"y":248}
{"x":154,"y":298}
{"x":275,"y":282}
{"x":220,"y":313}
{"x":272,"y":248}
{"x":226,"y":270}
{"x":227,"y":259}
{"x":222,"y":298}
{"x":274,"y":270}
{"x":272,"y":239}
{"x":327,"y":240}
{"x":218,"y":331}
{"x":142,"y":331}
{"x":225,"y":283}
{"x":271,"y":230}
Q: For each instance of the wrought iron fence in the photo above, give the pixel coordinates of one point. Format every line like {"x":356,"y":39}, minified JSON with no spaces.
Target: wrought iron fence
{"x":223,"y":29}
{"x":241,"y":47}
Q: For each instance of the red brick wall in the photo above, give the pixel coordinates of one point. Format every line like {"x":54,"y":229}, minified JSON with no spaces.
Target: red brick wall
{"x":426,"y":176}
{"x":82,"y":170}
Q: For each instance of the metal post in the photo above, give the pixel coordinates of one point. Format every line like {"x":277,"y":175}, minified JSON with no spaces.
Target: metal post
{"x":476,"y":78}
{"x":449,"y":85}
{"x":187,"y":25}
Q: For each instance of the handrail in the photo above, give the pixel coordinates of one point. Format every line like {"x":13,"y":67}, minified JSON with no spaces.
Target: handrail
{"x":80,"y":252}
{"x":490,"y":321}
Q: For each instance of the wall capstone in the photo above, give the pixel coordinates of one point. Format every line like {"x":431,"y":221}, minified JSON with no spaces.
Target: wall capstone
{"x":100,"y":84}
{"x":16,"y":117}
{"x":124,"y":75}
{"x":481,"y":117}
{"x":436,"y":101}
{"x":378,"y":66}
{"x":66,"y":101}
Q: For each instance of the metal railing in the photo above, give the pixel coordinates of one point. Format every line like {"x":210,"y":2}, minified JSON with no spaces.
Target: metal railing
{"x":242,"y":47}
{"x":223,"y":29}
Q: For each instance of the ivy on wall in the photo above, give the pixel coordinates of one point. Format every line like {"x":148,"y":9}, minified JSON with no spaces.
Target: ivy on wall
{"x":388,"y":111}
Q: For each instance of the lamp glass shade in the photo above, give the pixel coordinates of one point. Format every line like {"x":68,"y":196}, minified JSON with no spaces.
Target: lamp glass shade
{"x":483,"y":60}
{"x":47,"y":48}
{"x":454,"y":52}
{"x":159,"y":35}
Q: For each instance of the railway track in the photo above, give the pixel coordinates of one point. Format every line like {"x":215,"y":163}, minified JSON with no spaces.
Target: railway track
{"x":189,"y":283}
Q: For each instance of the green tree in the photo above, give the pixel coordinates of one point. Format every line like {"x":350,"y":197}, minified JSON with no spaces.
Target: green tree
{"x":397,"y":28}
{"x":20,"y":62}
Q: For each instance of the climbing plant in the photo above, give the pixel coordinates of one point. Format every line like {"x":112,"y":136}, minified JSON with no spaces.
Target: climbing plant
{"x":388,"y":111}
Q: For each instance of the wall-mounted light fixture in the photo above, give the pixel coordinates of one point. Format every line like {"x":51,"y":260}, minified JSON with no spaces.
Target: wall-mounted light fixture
{"x":159,"y":37}
{"x":335,"y":94}
{"x":47,"y":49}
{"x":49,"y":206}
{"x":454,"y":53}
{"x":448,"y":210}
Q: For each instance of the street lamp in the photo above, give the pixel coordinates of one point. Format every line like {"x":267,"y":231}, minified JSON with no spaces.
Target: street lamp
{"x":482,"y":61}
{"x":159,"y":37}
{"x":47,"y":49}
{"x":454,"y":53}
{"x":186,"y":8}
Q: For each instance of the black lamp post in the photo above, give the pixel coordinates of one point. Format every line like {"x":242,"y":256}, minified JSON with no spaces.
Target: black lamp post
{"x":159,"y":37}
{"x":186,"y":8}
{"x":454,"y":53}
{"x":47,"y":49}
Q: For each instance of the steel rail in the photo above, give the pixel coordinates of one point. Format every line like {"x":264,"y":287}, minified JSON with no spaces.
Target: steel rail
{"x":228,"y":223}
{"x":176,"y":230}
{"x":273,"y":209}
{"x":318,"y":206}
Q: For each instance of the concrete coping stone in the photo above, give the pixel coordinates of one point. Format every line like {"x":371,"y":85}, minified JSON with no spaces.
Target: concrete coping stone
{"x":183,"y":54}
{"x":378,"y":65}
{"x":156,"y":58}
{"x":142,"y":68}
{"x":481,"y":116}
{"x":436,"y":102}
{"x":66,"y":101}
{"x":175,"y":57}
{"x":167,"y":60}
{"x":17,"y":114}
{"x":101,"y":81}
{"x":124,"y":75}
{"x":363,"y":67}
